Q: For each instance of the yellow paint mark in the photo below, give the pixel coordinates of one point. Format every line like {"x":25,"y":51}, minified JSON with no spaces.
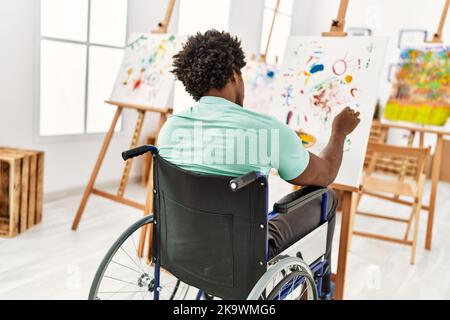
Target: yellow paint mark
{"x":348,"y":78}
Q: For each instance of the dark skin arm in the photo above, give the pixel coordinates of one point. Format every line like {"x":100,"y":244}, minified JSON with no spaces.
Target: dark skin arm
{"x":323,"y":168}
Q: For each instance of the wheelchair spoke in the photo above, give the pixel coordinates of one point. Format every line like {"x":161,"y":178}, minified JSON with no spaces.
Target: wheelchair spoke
{"x":122,"y":265}
{"x":127,"y":276}
{"x":136,"y":249}
{"x":132,"y":259}
{"x":120,"y":292}
{"x":114,"y":293}
{"x":288,"y":285}
{"x":124,"y":281}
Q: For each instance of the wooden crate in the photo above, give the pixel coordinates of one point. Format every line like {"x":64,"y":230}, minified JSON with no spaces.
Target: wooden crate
{"x":31,"y":171}
{"x":10,"y":179}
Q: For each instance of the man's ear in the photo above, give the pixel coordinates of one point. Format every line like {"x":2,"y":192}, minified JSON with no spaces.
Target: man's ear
{"x":234,"y":77}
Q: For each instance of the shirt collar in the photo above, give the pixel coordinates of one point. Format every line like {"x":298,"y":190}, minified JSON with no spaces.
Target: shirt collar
{"x":218,"y":101}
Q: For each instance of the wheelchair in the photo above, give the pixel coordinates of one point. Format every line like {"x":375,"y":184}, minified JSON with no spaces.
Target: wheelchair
{"x":209,"y":241}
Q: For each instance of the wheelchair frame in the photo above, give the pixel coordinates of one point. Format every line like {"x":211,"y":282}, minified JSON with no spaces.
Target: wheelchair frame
{"x":317,"y":266}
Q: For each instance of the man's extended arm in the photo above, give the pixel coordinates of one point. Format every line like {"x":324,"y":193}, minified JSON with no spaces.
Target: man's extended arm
{"x":323,"y":169}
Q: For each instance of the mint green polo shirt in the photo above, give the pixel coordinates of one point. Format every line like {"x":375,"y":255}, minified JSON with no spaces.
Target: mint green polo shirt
{"x":220,"y":137}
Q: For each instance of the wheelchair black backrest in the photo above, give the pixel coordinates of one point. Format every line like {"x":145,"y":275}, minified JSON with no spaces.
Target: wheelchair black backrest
{"x":207,"y":235}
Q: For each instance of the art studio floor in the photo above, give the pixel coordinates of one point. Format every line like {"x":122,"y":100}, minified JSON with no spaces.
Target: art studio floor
{"x":52,"y":262}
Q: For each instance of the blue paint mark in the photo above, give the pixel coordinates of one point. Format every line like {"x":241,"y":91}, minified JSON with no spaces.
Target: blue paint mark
{"x":316,"y":68}
{"x":270,"y":74}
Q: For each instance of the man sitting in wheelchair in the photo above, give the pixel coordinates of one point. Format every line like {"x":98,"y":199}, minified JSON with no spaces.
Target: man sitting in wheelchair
{"x":219,"y":136}
{"x":211,"y":227}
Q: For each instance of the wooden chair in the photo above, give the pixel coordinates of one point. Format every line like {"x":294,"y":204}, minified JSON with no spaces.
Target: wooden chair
{"x":405,"y":165}
{"x":378,"y":134}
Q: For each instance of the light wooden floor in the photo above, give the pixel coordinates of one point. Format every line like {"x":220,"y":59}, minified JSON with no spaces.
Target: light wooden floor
{"x":52,"y":262}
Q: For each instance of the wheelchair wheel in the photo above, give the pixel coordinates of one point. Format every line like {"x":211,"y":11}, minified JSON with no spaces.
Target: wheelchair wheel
{"x":123,"y":275}
{"x":288,"y":279}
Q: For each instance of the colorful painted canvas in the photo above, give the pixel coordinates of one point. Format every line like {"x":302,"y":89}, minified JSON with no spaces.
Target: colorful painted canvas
{"x":421,"y":90}
{"x":144,"y":77}
{"x":260,"y":79}
{"x":319,"y":77}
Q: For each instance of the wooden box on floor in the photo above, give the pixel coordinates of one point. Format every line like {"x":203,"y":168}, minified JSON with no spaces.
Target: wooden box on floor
{"x":21,"y":190}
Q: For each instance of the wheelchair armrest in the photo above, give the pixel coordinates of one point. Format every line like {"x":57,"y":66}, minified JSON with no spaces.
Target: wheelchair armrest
{"x":298,"y":199}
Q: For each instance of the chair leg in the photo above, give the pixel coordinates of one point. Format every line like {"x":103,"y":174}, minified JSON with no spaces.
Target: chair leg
{"x":416,"y":232}
{"x":411,"y":219}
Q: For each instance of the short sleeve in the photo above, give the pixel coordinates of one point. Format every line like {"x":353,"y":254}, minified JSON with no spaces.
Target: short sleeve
{"x":293,"y":157}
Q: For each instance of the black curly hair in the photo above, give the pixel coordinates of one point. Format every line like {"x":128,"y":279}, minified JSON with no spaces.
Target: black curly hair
{"x":207,"y":61}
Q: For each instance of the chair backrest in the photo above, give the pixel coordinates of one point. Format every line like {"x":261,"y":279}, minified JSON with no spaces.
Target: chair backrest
{"x":207,"y":235}
{"x":378,"y":134}
{"x":392,"y":159}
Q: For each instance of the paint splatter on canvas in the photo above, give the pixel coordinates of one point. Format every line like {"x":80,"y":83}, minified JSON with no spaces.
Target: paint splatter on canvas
{"x":144,"y":77}
{"x":259,"y":78}
{"x":321,"y":76}
{"x":421,"y":90}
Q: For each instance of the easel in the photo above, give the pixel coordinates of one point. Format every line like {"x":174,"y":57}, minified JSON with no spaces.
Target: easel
{"x":141,"y":110}
{"x":349,"y":194}
{"x":338,"y":24}
{"x":437,"y":37}
{"x":263,"y":56}
{"x":438,"y":153}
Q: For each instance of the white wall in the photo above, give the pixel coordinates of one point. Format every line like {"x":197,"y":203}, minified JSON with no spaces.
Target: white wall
{"x":246,"y":18}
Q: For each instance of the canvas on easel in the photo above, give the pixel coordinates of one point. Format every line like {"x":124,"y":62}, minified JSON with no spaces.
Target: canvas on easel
{"x":319,"y":77}
{"x":144,"y":77}
{"x":421,"y":89}
{"x":260,"y":83}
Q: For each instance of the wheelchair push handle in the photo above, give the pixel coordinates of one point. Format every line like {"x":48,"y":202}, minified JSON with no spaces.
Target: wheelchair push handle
{"x":139,"y":151}
{"x":243,"y":181}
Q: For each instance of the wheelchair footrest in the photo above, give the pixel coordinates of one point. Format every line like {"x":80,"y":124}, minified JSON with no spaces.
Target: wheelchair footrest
{"x":311,"y":247}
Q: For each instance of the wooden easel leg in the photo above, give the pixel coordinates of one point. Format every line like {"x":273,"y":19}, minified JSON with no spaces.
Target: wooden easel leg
{"x":128,"y":165}
{"x":434,"y":185}
{"x":355,"y":202}
{"x":147,"y":161}
{"x":149,"y":199}
{"x":97,"y":166}
{"x":148,"y":210}
{"x":150,"y":245}
{"x":347,"y":200}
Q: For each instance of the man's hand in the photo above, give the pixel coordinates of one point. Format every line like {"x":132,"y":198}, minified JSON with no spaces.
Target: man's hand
{"x":346,"y":121}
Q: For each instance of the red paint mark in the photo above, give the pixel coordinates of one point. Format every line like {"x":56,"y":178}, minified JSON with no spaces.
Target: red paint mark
{"x":320,"y":101}
{"x":352,"y":91}
{"x":306,"y":118}
{"x":137,"y":84}
{"x":302,"y":92}
{"x":339,"y":67}
{"x":289,"y":117}
{"x":309,"y":60}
